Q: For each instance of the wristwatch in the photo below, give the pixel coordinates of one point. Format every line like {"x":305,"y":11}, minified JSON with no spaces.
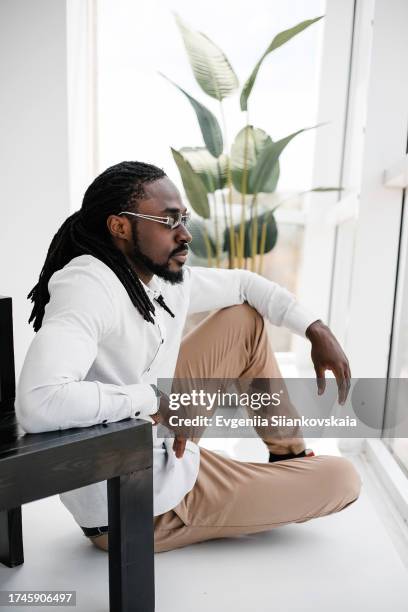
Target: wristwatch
{"x":158,"y":394}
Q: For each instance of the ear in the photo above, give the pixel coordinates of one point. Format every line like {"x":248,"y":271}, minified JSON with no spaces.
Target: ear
{"x":119,"y":227}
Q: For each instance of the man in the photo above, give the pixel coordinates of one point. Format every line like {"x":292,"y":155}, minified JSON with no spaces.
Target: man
{"x":109,"y":308}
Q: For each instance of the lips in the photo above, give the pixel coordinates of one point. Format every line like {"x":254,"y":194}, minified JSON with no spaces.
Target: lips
{"x":181,"y":256}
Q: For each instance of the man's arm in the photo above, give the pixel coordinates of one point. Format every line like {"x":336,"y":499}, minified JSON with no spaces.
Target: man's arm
{"x":213,"y":288}
{"x":52,"y":393}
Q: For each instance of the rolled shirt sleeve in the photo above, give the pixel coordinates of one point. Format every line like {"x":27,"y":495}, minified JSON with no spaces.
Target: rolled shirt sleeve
{"x":213,"y":288}
{"x":52,"y":392}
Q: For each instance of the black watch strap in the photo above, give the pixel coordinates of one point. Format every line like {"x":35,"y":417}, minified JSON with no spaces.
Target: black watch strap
{"x":94,"y":531}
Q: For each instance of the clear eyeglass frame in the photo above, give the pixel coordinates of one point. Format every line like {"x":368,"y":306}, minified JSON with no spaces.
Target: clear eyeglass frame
{"x":172,"y":221}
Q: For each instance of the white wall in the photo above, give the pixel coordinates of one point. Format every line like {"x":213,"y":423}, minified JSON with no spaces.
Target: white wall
{"x":33,"y":147}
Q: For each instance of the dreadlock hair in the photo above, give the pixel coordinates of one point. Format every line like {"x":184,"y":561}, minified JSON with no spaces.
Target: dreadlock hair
{"x":85,"y":232}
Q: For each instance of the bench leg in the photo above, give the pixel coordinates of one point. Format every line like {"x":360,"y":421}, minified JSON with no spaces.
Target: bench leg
{"x":131,"y":542}
{"x":11,"y":537}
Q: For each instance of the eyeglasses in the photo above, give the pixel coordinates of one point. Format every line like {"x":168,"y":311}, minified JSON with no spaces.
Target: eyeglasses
{"x":172,"y":221}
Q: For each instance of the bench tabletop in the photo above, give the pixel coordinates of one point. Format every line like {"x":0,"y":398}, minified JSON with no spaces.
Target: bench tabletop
{"x":33,"y":466}
{"x":14,"y":441}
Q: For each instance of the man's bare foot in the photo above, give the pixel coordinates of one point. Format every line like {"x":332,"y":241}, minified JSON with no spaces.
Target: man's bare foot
{"x":101,"y":541}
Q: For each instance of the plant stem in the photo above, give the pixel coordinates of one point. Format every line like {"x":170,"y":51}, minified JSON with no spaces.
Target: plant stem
{"x":262,"y":247}
{"x":244,"y":185}
{"x":221,"y":189}
{"x":208,"y":245}
{"x":224,"y":207}
{"x":229,"y":184}
{"x":236,"y":241}
{"x":217,"y":235}
{"x":254,"y":230}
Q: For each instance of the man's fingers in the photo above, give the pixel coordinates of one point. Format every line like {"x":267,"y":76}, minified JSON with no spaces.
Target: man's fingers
{"x":343,"y":384}
{"x":343,"y":379}
{"x":348,"y":379}
{"x":179,"y":446}
{"x":320,"y":379}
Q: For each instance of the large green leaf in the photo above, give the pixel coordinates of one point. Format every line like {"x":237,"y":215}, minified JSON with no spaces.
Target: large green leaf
{"x":209,"y":126}
{"x":256,"y":141}
{"x":279,"y":40}
{"x":199,"y":245}
{"x":325,"y":189}
{"x":267,"y":160}
{"x":271,"y":234}
{"x":211,"y":68}
{"x":213,"y":172}
{"x":193,"y":185}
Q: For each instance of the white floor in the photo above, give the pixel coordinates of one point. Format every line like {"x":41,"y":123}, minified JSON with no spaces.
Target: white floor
{"x":353,"y":561}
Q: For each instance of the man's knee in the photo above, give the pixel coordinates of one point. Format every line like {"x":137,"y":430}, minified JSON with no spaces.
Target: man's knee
{"x":340,"y":479}
{"x":243,"y":316}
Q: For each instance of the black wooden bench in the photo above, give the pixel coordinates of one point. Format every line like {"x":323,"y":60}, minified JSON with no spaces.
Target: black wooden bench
{"x":34,"y":466}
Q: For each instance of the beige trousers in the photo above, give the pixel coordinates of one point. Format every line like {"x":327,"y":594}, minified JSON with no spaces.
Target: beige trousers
{"x":232,"y":497}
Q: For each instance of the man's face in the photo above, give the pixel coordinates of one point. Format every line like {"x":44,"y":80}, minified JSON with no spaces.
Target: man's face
{"x":157,"y":248}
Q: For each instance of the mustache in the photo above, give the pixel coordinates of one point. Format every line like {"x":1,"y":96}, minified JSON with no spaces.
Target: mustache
{"x":181,"y":249}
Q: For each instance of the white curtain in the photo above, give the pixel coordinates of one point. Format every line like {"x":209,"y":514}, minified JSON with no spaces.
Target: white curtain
{"x":82,"y":71}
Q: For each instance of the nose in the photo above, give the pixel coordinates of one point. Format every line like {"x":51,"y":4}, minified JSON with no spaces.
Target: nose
{"x":183,"y":235}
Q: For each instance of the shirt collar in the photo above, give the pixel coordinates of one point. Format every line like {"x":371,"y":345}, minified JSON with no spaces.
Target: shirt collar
{"x":153,"y":287}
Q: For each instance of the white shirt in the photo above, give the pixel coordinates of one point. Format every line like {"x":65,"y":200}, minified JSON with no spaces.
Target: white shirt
{"x":94,"y":358}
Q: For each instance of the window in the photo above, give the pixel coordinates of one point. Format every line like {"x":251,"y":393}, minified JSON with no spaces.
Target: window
{"x":368,"y":302}
{"x":140,"y":115}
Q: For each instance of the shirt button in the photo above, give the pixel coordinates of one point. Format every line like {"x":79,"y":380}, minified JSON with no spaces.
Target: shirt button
{"x":137,"y":413}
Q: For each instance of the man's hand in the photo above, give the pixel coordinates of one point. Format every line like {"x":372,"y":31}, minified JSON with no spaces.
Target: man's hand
{"x":179,"y":444}
{"x":327,"y":354}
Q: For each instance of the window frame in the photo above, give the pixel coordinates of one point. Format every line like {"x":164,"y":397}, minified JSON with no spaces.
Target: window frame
{"x":363,"y":307}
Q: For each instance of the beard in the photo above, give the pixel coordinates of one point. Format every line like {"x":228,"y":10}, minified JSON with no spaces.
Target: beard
{"x":162,"y":270}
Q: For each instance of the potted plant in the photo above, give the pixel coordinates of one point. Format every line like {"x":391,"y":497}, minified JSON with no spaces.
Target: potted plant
{"x":214,"y":175}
